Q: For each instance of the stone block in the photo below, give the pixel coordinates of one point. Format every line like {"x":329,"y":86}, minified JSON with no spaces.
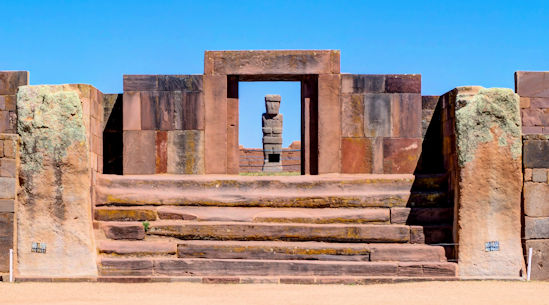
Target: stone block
{"x":7,"y":206}
{"x":403,"y":83}
{"x":140,"y":83}
{"x":54,"y":202}
{"x":540,"y":257}
{"x":11,"y":80}
{"x":406,"y":115}
{"x":532,"y":117}
{"x":362,"y":83}
{"x":272,"y":140}
{"x":536,"y":199}
{"x":377,"y":115}
{"x":10,"y":102}
{"x":7,"y":167}
{"x":9,"y":148}
{"x":538,"y":102}
{"x":124,"y":231}
{"x":5,"y":126}
{"x":188,"y":110}
{"x":139,"y":152}
{"x":215,"y":123}
{"x":132,"y":111}
{"x":532,"y":84}
{"x":186,"y":152}
{"x":7,"y":188}
{"x":536,"y":153}
{"x":180,"y":82}
{"x":149,"y":110}
{"x":528,"y":174}
{"x":429,"y":102}
{"x":488,"y":149}
{"x":356,"y":155}
{"x":524,"y":102}
{"x":271,"y":62}
{"x":6,"y":240}
{"x":377,"y":155}
{"x":329,"y":122}
{"x":161,"y":152}
{"x":352,"y":115}
{"x":539,"y":175}
{"x":400,"y":155}
{"x":536,"y":227}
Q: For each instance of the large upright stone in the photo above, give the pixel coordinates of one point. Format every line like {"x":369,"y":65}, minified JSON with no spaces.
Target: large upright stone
{"x":488,"y":196}
{"x":186,"y":152}
{"x":53,"y":203}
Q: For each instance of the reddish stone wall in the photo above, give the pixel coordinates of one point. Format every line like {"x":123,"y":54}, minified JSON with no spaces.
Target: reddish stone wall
{"x":163,"y":124}
{"x":251,"y":159}
{"x":533,"y":88}
{"x":381,"y":126}
{"x":9,"y":82}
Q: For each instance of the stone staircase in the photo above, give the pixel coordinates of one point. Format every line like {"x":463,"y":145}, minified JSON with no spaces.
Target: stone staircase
{"x":298,"y":229}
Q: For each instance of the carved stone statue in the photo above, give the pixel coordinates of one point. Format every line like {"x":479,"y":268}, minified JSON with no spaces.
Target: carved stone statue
{"x":272,"y":134}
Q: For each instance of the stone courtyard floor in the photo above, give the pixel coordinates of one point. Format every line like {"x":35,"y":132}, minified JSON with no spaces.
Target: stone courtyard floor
{"x":447,"y":293}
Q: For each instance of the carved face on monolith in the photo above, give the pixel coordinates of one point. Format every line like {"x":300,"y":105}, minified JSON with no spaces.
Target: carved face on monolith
{"x":272,"y":103}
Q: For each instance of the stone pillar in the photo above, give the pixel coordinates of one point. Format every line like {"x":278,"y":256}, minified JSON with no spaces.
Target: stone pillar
{"x":272,"y":134}
{"x":489,"y":182}
{"x":54,"y":222}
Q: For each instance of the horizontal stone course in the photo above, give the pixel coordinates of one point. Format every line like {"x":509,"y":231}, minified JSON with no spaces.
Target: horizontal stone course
{"x":536,"y":227}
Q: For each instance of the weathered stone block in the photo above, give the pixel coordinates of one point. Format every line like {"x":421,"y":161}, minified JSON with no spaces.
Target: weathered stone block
{"x":271,"y":62}
{"x":488,"y":141}
{"x":53,"y":202}
{"x":356,"y":155}
{"x":538,"y":102}
{"x":362,"y":83}
{"x":528,"y":174}
{"x":536,"y":199}
{"x":186,"y":152}
{"x":400,"y":155}
{"x":406,"y":115}
{"x":536,"y":153}
{"x":7,"y":205}
{"x":132,"y":111}
{"x":539,"y":175}
{"x":11,"y":80}
{"x":540,"y":257}
{"x":532,"y":84}
{"x":7,"y":167}
{"x":377,"y":115}
{"x":179,"y":82}
{"x":272,"y":140}
{"x":536,"y":227}
{"x":215,"y":123}
{"x":188,"y":110}
{"x":352,"y":115}
{"x":139,"y":152}
{"x":403,"y":83}
{"x":161,"y":152}
{"x":429,"y":102}
{"x":6,"y":240}
{"x":329,"y":123}
{"x":7,"y":188}
{"x":140,"y":83}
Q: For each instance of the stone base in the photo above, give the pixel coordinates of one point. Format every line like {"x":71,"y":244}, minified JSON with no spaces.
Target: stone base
{"x":272,"y":167}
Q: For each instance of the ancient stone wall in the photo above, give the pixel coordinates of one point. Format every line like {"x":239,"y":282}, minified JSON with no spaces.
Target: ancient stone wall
{"x":251,"y":159}
{"x":9,"y":83}
{"x":533,"y":88}
{"x":381,"y":123}
{"x":163,"y":124}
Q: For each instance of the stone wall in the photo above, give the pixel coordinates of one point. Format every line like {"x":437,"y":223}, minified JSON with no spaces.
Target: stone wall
{"x":533,"y":88}
{"x":251,"y":159}
{"x":8,"y":180}
{"x":381,"y":123}
{"x":9,"y":82}
{"x":163,"y":124}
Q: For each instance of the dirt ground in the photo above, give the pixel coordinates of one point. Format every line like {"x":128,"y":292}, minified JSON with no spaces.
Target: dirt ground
{"x":447,"y":293}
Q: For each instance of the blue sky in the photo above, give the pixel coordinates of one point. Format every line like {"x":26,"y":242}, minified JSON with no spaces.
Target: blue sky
{"x":450,"y":43}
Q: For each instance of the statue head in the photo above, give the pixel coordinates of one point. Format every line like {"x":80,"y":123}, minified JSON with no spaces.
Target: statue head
{"x":272,"y":103}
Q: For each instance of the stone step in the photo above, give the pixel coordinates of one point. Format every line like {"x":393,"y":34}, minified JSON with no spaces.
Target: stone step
{"x":426,"y":182}
{"x":422,"y":216}
{"x":247,"y":267}
{"x":213,"y":230}
{"x":309,"y":251}
{"x":428,"y":199}
{"x":245,"y":214}
{"x":136,"y":248}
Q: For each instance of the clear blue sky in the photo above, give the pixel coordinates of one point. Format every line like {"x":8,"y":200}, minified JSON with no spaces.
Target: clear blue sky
{"x":451,"y":43}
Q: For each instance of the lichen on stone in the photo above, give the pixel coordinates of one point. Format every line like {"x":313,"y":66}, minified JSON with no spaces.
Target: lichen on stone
{"x":49,"y":121}
{"x":494,"y":110}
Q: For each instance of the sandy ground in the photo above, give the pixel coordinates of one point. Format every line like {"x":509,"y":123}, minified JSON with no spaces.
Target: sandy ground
{"x":447,"y":293}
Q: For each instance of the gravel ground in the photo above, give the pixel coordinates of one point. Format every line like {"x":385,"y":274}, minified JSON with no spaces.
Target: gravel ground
{"x":447,"y":293}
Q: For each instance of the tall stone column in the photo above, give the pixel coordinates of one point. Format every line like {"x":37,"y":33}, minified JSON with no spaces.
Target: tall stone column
{"x":272,"y":134}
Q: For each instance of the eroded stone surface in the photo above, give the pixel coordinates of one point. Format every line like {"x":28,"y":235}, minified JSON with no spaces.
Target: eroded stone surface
{"x":53,"y":203}
{"x":488,"y":132}
{"x":186,"y":152}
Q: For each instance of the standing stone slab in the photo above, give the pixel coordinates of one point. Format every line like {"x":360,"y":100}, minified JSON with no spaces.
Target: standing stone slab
{"x":53,"y":202}
{"x":536,"y":199}
{"x":139,"y":152}
{"x":186,"y":152}
{"x":352,"y":116}
{"x":488,"y":196}
{"x":377,"y":115}
{"x":536,"y":227}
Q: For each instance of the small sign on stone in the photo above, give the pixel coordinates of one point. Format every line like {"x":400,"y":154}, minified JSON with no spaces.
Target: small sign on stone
{"x":38,"y":247}
{"x":491,"y":246}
